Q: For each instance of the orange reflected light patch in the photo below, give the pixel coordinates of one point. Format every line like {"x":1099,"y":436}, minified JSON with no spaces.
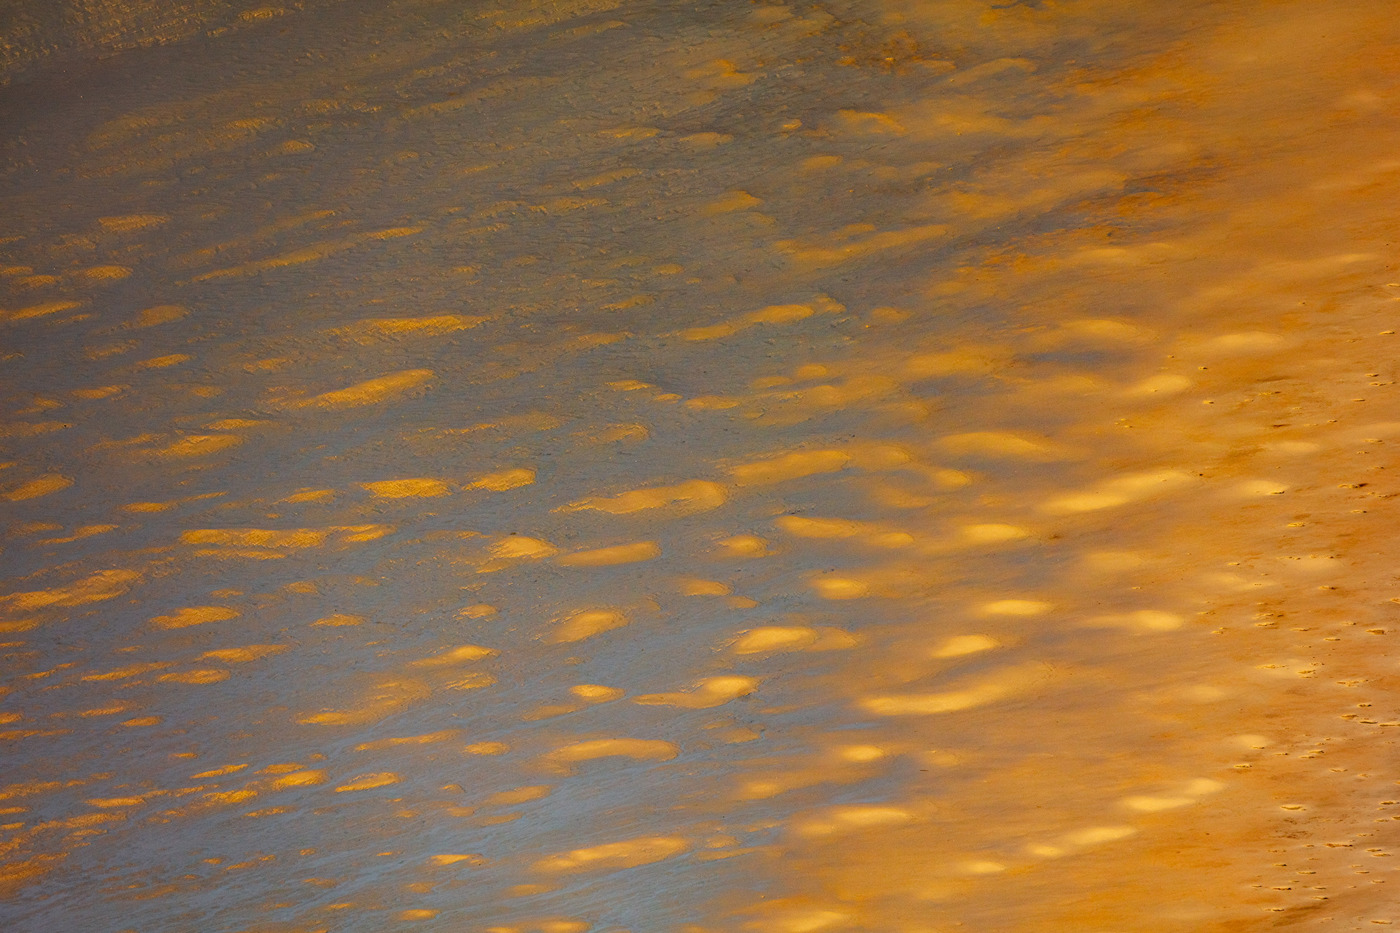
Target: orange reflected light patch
{"x":775,"y":638}
{"x":131,"y":670}
{"x":234,"y":424}
{"x":992,"y":689}
{"x":107,"y":273}
{"x":472,"y":681}
{"x":160,"y":314}
{"x":84,"y":531}
{"x":164,"y":362}
{"x":1001,"y":444}
{"x":266,"y":542}
{"x":146,"y":507}
{"x":615,"y":855}
{"x":1118,"y":491}
{"x":805,"y":527}
{"x":730,"y":202}
{"x":712,"y":403}
{"x":856,"y":241}
{"x":100,"y":586}
{"x":839,"y":588}
{"x":39,"y":486}
{"x":1015,"y":608}
{"x":141,"y":721}
{"x":340,"y":619}
{"x":503,"y":480}
{"x":966,"y":361}
{"x":199,"y":445}
{"x":454,"y":859}
{"x":1162,"y":384}
{"x":611,"y":556}
{"x":305,"y":778}
{"x":99,"y":392}
{"x":586,"y":624}
{"x":111,"y":709}
{"x":243,"y":654}
{"x":312,"y":253}
{"x":773,"y":314}
{"x":696,"y":587}
{"x":515,"y":548}
{"x":310,"y":495}
{"x":407,"y":488}
{"x":509,"y":798}
{"x":427,"y":738}
{"x":486,"y":748}
{"x":853,"y":819}
{"x":386,"y":697}
{"x":597,"y":693}
{"x":795,"y":465}
{"x":638,"y":749}
{"x":706,"y":694}
{"x":865,"y":121}
{"x":992,"y":533}
{"x":860,"y":754}
{"x":108,"y":803}
{"x":745,"y":546}
{"x":40,"y":310}
{"x":460,"y":655}
{"x":434,"y":326}
{"x":962,"y":645}
{"x":690,"y":496}
{"x":866,"y":533}
{"x":201,"y":676}
{"x":218,"y":772}
{"x":194,"y":615}
{"x":132,"y":222}
{"x":371,"y":391}
{"x":368,"y":781}
{"x":1141,"y":620}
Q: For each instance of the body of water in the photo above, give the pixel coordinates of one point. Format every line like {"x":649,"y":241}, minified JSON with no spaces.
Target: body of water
{"x":603,"y":465}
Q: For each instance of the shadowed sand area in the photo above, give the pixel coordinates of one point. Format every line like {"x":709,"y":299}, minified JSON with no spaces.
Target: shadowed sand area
{"x":590,"y":466}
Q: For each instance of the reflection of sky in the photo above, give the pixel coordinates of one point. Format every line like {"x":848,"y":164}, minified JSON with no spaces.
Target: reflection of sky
{"x":602,"y":466}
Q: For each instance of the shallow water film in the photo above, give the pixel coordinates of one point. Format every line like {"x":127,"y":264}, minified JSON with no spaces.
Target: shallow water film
{"x":586,"y":466}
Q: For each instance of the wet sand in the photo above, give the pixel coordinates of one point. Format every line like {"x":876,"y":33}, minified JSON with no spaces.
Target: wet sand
{"x":590,"y":466}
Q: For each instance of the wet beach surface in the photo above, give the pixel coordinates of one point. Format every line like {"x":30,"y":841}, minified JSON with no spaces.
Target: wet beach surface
{"x":550,"y":467}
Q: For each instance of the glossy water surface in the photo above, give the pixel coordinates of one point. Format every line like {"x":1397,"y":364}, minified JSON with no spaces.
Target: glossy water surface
{"x":547,"y":466}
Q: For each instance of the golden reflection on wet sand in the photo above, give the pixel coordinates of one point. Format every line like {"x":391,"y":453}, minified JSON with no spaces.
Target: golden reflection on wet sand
{"x":593,"y":466}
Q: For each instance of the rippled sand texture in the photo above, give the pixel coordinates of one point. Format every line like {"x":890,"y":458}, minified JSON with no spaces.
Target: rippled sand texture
{"x":594,"y":465}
